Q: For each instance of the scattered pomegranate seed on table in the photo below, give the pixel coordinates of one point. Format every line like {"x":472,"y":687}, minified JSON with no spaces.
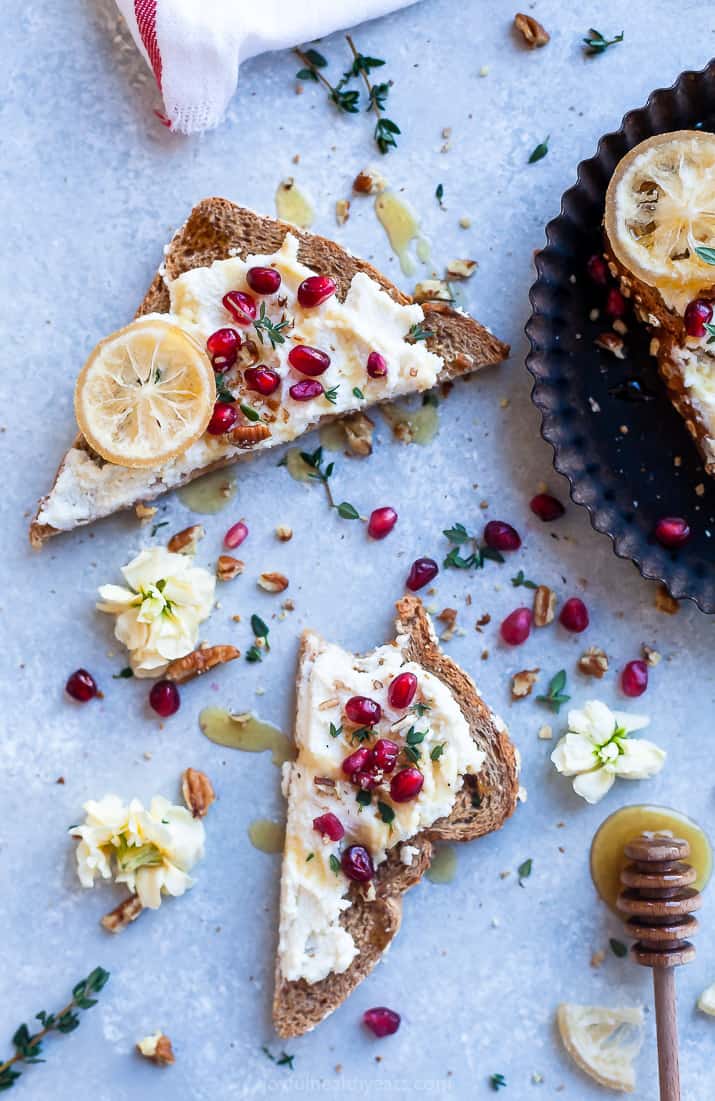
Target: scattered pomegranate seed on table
{"x":363,"y":710}
{"x":263,"y":280}
{"x":330,"y":826}
{"x":381,"y":522}
{"x":546,"y":507}
{"x":164,"y":698}
{"x":235,"y":535}
{"x":516,"y":628}
{"x":402,"y":690}
{"x":615,"y":304}
{"x":376,"y":365}
{"x":306,"y":389}
{"x":574,"y":615}
{"x":634,"y":678}
{"x":422,"y":571}
{"x":315,"y":290}
{"x":81,"y":686}
{"x":262,"y":380}
{"x":222,"y":420}
{"x":698,"y":314}
{"x":357,"y":865}
{"x":597,"y":270}
{"x":672,"y":531}
{"x":241,"y":306}
{"x":309,"y":361}
{"x":381,"y":1020}
{"x":501,"y":536}
{"x":406,"y":785}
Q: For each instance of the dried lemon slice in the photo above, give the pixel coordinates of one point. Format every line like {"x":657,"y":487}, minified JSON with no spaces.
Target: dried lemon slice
{"x":145,"y":394}
{"x":660,"y":209}
{"x":603,"y":1042}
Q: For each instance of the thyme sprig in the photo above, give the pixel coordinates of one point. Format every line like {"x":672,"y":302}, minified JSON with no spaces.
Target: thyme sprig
{"x":28,"y":1045}
{"x":273,"y":330}
{"x":459,"y":537}
{"x":417,"y":332}
{"x":556,"y":697}
{"x":596,"y":43}
{"x":314,"y":460}
{"x":261,"y":644}
{"x":522,"y":579}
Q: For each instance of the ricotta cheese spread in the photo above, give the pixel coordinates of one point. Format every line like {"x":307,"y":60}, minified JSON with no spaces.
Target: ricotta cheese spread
{"x":314,"y":891}
{"x":367,"y":320}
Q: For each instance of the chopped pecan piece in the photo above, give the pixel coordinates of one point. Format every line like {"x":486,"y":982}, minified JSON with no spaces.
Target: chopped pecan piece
{"x":228,"y":567}
{"x":144,"y":512}
{"x":284,"y":533}
{"x":158,"y":1049}
{"x":523,"y":682}
{"x":273,"y":582}
{"x":248,"y":354}
{"x":122,"y":915}
{"x":369,"y":182}
{"x":611,"y":342}
{"x":593,"y":662}
{"x":246,"y":435}
{"x":544,"y":606}
{"x":199,"y":661}
{"x":431,"y":290}
{"x":342,"y":211}
{"x":461,"y":269}
{"x":531,"y":31}
{"x":651,"y":656}
{"x":664,"y":602}
{"x":184,"y":542}
{"x":358,"y":430}
{"x":197,"y":791}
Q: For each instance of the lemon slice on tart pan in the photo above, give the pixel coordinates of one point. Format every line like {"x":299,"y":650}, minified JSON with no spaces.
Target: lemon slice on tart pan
{"x":603,"y":1042}
{"x":145,"y":394}
{"x":660,"y":210}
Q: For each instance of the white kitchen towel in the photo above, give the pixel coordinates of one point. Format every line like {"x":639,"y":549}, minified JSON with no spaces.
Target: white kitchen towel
{"x":194,"y":47}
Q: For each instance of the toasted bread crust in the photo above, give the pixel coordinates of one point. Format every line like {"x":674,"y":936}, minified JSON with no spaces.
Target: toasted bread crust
{"x":482,"y":806}
{"x":217,"y":228}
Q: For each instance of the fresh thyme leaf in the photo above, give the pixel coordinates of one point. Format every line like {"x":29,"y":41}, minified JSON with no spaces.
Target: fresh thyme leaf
{"x":415,"y":737}
{"x":260,"y":630}
{"x":491,"y":554}
{"x":555,"y":696}
{"x":385,"y":130}
{"x":310,"y":856}
{"x":123,"y":674}
{"x":348,"y":511}
{"x":306,"y":74}
{"x":497,"y":1081}
{"x":378,"y":96}
{"x":348,"y":101}
{"x":329,"y":469}
{"x":331,"y":395}
{"x":312,"y":458}
{"x":476,"y":800}
{"x":618,"y":948}
{"x":249,"y":412}
{"x":362,"y":734}
{"x":357,"y":393}
{"x":524,"y":871}
{"x":430,"y":398}
{"x":418,"y":333}
{"x":364,"y":798}
{"x":540,"y":151}
{"x":334,"y":864}
{"x":520,"y":579}
{"x":709,"y":327}
{"x":457,"y":534}
{"x":285,"y":1060}
{"x":273,"y":330}
{"x":707,"y":255}
{"x":455,"y":559}
{"x":386,"y":812}
{"x":437,"y":751}
{"x":315,"y":58}
{"x":412,"y":753}
{"x":420,"y":708}
{"x":335,"y":731}
{"x":254,"y":654}
{"x":363,"y":64}
{"x":596,"y":43}
{"x":222,"y":392}
{"x":439,"y":193}
{"x":155,"y":527}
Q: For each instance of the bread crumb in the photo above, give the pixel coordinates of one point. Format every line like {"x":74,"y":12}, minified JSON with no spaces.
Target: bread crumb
{"x":545,"y":732}
{"x":465,"y":223}
{"x":597,"y":958}
{"x":484,"y":71}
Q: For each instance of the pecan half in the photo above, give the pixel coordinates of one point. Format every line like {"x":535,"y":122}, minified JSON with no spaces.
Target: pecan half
{"x":523,"y":682}
{"x":593,"y":662}
{"x":199,"y":661}
{"x":358,"y":430}
{"x":544,"y":606}
{"x":531,"y":31}
{"x":284,"y":533}
{"x":228,"y":567}
{"x":184,"y":542}
{"x":273,"y":582}
{"x":197,"y":791}
{"x":157,"y":1049}
{"x":122,"y":915}
{"x":247,"y":435}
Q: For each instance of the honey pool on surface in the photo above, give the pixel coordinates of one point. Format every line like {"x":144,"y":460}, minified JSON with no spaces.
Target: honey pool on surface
{"x":209,"y":494}
{"x":266,"y":835}
{"x":607,"y":857}
{"x":292,"y":205}
{"x":402,"y":228}
{"x":246,"y":732}
{"x":412,"y":425}
{"x":444,"y":865}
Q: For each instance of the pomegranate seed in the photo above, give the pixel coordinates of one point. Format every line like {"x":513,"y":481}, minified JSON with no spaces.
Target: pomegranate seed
{"x":367,"y":780}
{"x":501,"y":536}
{"x":384,"y":755}
{"x":402,"y":690}
{"x":164,"y":698}
{"x":381,"y":1020}
{"x":406,"y":785}
{"x":315,"y":290}
{"x":516,"y":628}
{"x":376,"y":365}
{"x":81,"y":686}
{"x":597,"y":270}
{"x":356,"y":762}
{"x":574,"y":615}
{"x":221,"y":364}
{"x":357,"y":864}
{"x":698,"y":314}
{"x":615,"y":303}
{"x":546,"y":507}
{"x":263,"y":280}
{"x":422,"y":571}
{"x":634,"y":678}
{"x":224,"y":343}
{"x":241,"y":306}
{"x":330,"y":826}
{"x":306,"y":389}
{"x":235,"y":535}
{"x":363,"y":710}
{"x":672,"y":531}
{"x":223,"y":418}
{"x":309,"y":361}
{"x":262,"y":380}
{"x":381,"y":522}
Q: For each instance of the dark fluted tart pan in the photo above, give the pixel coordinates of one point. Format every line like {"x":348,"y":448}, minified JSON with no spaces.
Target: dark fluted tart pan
{"x":616,"y":437}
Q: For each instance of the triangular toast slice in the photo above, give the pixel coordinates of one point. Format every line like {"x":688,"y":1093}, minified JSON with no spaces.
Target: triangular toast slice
{"x":87,"y":488}
{"x":473,"y":776}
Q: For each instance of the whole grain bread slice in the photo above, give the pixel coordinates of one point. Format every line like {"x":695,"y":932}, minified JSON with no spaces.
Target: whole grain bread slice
{"x":217,"y":229}
{"x":483,"y":805}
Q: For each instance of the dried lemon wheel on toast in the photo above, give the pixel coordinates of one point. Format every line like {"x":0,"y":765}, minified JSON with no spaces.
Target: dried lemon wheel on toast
{"x":660,"y":209}
{"x":603,"y":1042}
{"x":145,"y":394}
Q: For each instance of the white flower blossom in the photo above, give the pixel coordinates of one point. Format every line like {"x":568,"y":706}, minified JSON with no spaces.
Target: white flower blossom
{"x":597,"y":748}
{"x":151,"y":851}
{"x":706,"y":1001}
{"x":158,"y":616}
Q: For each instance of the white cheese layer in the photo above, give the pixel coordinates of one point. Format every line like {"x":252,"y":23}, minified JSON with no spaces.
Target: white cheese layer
{"x":696,"y":367}
{"x":368,"y":320}
{"x":312,"y":942}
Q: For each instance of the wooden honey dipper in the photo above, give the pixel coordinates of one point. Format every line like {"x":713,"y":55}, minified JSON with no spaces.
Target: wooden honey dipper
{"x":659,"y":898}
